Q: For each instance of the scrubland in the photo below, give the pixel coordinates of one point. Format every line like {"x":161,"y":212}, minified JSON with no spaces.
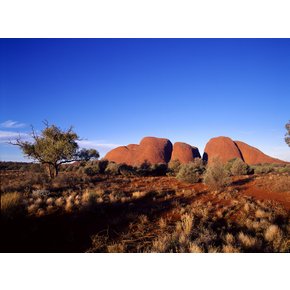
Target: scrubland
{"x":104,"y":207}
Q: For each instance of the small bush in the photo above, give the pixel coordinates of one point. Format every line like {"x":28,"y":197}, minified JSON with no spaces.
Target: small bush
{"x":11,"y":205}
{"x":112,"y":168}
{"x":159,"y":169}
{"x":127,"y":170}
{"x":173,"y":167}
{"x":191,"y":172}
{"x":238,"y":167}
{"x":216,"y":176}
{"x":284,"y":169}
{"x":262,"y":169}
{"x":144,"y":169}
{"x":96,"y":167}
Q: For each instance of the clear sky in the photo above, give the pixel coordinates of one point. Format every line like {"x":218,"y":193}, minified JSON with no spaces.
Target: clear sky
{"x":116,"y":91}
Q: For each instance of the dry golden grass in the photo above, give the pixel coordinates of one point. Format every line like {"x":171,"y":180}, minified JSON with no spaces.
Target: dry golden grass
{"x":174,"y":217}
{"x":11,"y":204}
{"x":246,"y":240}
{"x":278,"y":183}
{"x":272,"y":232}
{"x":194,"y":248}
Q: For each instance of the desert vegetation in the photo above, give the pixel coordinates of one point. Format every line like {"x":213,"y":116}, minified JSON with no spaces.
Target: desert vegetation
{"x":69,"y":201}
{"x":101,"y":206}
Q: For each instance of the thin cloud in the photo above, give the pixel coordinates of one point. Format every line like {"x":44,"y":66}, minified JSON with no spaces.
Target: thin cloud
{"x":102,"y":147}
{"x":96,"y":144}
{"x":9,"y":124}
{"x":6,"y":136}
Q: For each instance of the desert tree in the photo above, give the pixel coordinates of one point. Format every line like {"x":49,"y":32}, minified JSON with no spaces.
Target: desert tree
{"x":54,"y":147}
{"x":287,"y":136}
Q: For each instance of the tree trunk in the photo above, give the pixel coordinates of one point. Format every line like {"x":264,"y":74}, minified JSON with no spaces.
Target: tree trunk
{"x":52,"y":170}
{"x":48,"y":170}
{"x":56,"y":170}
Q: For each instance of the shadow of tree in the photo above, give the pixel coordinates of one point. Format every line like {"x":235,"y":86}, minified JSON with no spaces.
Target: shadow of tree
{"x":241,"y":182}
{"x":72,"y":232}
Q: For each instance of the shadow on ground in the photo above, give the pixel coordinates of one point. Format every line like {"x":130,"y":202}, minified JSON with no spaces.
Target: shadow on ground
{"x":72,"y":232}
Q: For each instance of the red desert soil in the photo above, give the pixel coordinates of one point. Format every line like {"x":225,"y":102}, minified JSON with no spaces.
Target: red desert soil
{"x":184,"y":152}
{"x":260,"y":188}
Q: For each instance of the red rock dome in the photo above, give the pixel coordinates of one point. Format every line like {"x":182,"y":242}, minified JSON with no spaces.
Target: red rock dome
{"x":184,"y":152}
{"x":254,"y":156}
{"x":120,"y":154}
{"x":151,"y":149}
{"x":222,"y":148}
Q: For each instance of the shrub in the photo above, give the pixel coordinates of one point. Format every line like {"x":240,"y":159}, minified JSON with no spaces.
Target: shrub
{"x":95,"y":167}
{"x":11,"y":205}
{"x":159,"y":169}
{"x":146,"y":169}
{"x":284,"y":169}
{"x":173,"y":167}
{"x":112,"y":168}
{"x":216,"y":176}
{"x":263,"y":169}
{"x":238,"y":167}
{"x":191,"y":172}
{"x":91,"y":170}
{"x":66,"y":181}
{"x":229,"y":164}
{"x":127,"y":170}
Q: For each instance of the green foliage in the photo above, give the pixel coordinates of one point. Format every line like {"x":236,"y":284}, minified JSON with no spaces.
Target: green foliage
{"x":55,"y":147}
{"x":96,"y":167}
{"x":159,"y":169}
{"x":237,"y":167}
{"x":173,"y":167}
{"x":191,"y":172}
{"x":283,"y":169}
{"x":216,"y":176}
{"x":287,"y":135}
{"x":127,"y":170}
{"x":263,"y":169}
{"x":87,"y":154}
{"x":112,"y":168}
{"x":22,"y":166}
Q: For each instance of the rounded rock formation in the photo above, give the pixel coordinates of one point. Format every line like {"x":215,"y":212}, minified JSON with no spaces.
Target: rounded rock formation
{"x":184,"y":152}
{"x":222,"y":148}
{"x":154,"y":150}
{"x":151,"y":149}
{"x":120,"y":154}
{"x":254,"y":156}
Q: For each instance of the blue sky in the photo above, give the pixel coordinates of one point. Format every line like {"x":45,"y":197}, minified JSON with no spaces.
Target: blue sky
{"x":116,"y":91}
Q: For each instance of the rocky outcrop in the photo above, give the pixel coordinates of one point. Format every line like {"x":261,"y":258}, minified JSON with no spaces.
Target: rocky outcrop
{"x":222,"y":148}
{"x":151,"y":149}
{"x":184,"y":152}
{"x":252,"y":155}
{"x":225,"y":149}
{"x":122,"y":154}
{"x":160,"y":150}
